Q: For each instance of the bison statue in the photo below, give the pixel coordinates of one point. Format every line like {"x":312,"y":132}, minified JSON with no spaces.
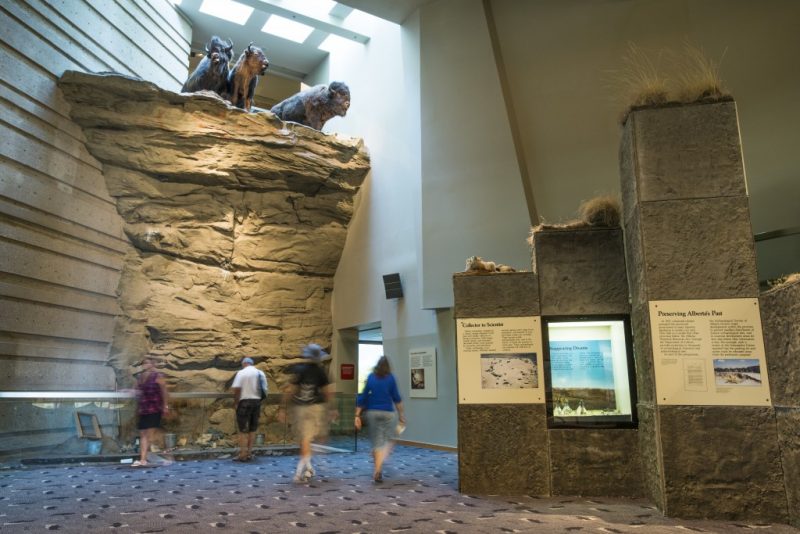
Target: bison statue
{"x":243,"y":78}
{"x":211,"y":74}
{"x":313,"y":107}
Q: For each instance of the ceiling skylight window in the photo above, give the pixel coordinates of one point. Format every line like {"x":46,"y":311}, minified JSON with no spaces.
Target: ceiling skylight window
{"x":286,"y":28}
{"x":227,"y":10}
{"x":334,"y":43}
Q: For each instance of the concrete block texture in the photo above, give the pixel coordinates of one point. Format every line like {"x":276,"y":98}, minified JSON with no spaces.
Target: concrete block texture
{"x":789,"y":439}
{"x":722,"y":462}
{"x":598,"y":463}
{"x":581,"y":271}
{"x":502,"y":449}
{"x":643,"y":354}
{"x":496,"y":295}
{"x":697,"y":249}
{"x":683,"y":152}
{"x":650,"y":454}
{"x":780,"y":318}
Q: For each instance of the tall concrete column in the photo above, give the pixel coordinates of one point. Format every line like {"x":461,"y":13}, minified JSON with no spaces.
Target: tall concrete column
{"x":581,"y":272}
{"x":688,"y":237}
{"x":502,"y":448}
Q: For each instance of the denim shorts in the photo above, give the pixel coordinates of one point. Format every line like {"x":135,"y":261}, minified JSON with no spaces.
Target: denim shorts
{"x":381,"y":427}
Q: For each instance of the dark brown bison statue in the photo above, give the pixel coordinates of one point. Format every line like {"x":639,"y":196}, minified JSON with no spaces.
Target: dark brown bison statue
{"x":211,"y":73}
{"x":313,"y":107}
{"x":243,"y":77}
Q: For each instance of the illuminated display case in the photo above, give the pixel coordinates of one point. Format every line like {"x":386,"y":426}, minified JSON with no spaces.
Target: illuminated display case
{"x":589,"y":372}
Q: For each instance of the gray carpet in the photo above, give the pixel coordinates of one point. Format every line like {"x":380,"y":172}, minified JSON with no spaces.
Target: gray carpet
{"x":419,"y":495}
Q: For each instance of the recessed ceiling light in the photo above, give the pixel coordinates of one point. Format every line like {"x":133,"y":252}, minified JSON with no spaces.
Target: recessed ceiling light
{"x":227,"y":10}
{"x":286,"y":28}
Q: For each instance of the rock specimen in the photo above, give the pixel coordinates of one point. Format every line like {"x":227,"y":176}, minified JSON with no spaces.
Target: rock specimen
{"x":236,"y":220}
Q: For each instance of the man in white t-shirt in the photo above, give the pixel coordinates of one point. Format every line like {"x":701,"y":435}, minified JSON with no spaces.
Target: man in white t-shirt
{"x":247,"y":387}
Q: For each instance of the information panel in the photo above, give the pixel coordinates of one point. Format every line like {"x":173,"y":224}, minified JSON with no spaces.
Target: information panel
{"x":422,"y":367}
{"x":500,"y":360}
{"x":709,"y":352}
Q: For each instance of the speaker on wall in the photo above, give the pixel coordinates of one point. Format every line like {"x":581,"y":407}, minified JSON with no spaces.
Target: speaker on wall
{"x":392,"y":285}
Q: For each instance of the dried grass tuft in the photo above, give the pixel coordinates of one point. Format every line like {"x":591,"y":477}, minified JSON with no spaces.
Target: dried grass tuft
{"x":698,"y":76}
{"x":640,"y":81}
{"x":601,"y":211}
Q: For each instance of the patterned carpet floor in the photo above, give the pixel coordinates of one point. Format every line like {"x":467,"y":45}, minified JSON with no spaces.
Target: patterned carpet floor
{"x":419,"y":494}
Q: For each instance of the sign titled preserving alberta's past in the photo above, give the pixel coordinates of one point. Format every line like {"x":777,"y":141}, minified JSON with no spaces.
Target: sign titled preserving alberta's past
{"x":500,"y":360}
{"x":709,"y":352}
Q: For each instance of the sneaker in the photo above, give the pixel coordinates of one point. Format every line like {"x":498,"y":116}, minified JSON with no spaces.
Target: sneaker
{"x":309,"y":472}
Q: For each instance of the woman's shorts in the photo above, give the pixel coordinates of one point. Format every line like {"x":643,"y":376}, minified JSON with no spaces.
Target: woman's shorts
{"x":381,"y":427}
{"x":149,"y":420}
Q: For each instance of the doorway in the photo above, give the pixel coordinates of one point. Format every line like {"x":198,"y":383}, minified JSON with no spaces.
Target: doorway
{"x":370,"y":349}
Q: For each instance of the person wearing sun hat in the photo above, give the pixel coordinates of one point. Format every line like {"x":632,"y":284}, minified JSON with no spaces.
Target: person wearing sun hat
{"x":308,"y":395}
{"x":247,"y":386}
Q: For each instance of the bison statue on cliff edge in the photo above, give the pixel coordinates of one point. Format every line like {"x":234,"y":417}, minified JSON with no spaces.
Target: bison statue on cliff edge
{"x":211,"y":74}
{"x":243,"y":78}
{"x":313,"y":107}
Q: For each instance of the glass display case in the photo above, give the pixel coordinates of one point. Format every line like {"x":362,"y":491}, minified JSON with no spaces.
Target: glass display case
{"x":589,"y":372}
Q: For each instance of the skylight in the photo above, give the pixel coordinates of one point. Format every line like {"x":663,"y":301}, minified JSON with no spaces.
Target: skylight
{"x":227,"y":10}
{"x":286,"y":28}
{"x":334,"y":42}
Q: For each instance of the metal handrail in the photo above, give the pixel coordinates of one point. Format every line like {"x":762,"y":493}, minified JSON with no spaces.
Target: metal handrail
{"x":772,"y":234}
{"x":112,"y":395}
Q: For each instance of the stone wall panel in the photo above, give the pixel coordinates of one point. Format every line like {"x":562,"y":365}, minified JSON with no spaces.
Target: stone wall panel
{"x":502,"y":449}
{"x":237,"y":222}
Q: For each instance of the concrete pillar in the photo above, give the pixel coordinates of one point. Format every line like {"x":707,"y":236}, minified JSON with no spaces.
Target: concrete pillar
{"x":687,"y":237}
{"x":502,"y":448}
{"x":581,"y":271}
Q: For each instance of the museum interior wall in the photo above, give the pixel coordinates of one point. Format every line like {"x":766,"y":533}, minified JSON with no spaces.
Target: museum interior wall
{"x":62,"y":247}
{"x":445,"y":183}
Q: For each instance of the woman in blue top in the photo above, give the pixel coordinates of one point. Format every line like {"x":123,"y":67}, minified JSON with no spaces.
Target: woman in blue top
{"x":379,"y":398}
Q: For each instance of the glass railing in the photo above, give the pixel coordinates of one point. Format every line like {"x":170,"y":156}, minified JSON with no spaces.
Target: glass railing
{"x":101,"y":426}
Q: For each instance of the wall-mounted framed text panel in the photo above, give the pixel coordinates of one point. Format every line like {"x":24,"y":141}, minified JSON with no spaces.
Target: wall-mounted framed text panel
{"x":422,"y":368}
{"x":589,"y":372}
{"x":500,"y":360}
{"x":709,"y":352}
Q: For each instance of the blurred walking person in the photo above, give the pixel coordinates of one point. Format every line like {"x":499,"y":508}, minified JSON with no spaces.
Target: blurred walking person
{"x":309,"y":397}
{"x":379,"y":398}
{"x":152,"y":405}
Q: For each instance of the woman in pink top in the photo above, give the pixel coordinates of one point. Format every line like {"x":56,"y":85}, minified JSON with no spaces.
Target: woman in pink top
{"x":151,"y":394}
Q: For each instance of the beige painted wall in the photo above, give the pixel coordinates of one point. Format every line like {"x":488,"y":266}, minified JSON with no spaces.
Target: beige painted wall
{"x":61,"y":240}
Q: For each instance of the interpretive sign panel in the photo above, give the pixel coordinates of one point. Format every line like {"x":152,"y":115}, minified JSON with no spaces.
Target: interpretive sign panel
{"x":500,"y":360}
{"x":709,"y":352}
{"x":422,"y":366}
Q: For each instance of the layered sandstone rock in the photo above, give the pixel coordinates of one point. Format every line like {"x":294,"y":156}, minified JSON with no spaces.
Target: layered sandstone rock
{"x":236,"y":221}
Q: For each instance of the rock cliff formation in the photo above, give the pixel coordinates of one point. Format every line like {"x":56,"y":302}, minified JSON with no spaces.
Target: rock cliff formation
{"x":236,"y":220}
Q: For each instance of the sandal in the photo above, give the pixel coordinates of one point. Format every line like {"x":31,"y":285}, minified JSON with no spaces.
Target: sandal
{"x":139,"y":463}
